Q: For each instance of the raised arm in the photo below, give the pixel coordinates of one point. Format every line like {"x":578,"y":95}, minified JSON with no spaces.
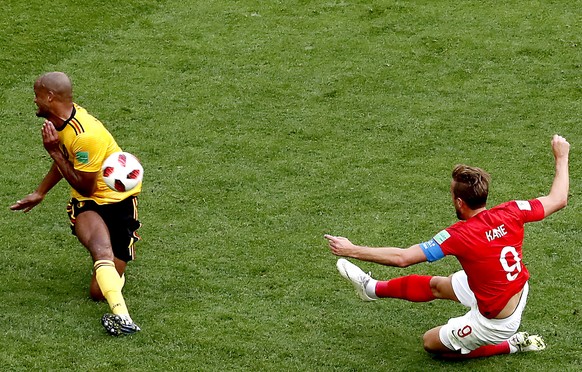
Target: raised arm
{"x":84,"y":182}
{"x":558,"y":196}
{"x":389,"y":256}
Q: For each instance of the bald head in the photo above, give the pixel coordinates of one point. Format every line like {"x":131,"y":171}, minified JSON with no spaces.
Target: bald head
{"x":53,"y":95}
{"x":57,"y":83}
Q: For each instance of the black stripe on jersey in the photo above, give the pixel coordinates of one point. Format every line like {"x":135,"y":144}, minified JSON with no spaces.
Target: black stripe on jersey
{"x":68,"y":120}
{"x":76,"y":125}
{"x":75,"y":129}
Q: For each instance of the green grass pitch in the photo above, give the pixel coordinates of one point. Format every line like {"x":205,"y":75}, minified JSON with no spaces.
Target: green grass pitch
{"x":263,"y":125}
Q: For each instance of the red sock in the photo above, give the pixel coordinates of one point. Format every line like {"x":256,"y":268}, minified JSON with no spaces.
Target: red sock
{"x":415,"y":288}
{"x":483,"y":351}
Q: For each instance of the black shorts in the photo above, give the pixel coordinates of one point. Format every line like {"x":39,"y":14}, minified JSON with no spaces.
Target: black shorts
{"x":120,"y":218}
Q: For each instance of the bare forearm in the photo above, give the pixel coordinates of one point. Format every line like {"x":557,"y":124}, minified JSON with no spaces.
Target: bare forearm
{"x":68,"y":172}
{"x":389,"y":256}
{"x":50,"y":180}
{"x":558,"y":196}
{"x":31,"y":200}
{"x":561,"y":183}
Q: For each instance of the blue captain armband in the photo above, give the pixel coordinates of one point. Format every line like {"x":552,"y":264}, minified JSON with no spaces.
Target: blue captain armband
{"x":432,"y":250}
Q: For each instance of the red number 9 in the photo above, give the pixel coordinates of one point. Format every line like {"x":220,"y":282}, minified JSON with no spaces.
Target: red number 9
{"x":465,"y":331}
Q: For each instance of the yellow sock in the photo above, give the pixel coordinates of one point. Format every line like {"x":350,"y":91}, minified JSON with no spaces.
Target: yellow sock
{"x":110,"y":284}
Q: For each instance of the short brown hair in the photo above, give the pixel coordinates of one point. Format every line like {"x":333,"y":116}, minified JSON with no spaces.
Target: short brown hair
{"x":471,"y":184}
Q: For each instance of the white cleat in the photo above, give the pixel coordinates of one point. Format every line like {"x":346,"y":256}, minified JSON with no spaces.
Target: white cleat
{"x":355,"y":275}
{"x":526,"y":342}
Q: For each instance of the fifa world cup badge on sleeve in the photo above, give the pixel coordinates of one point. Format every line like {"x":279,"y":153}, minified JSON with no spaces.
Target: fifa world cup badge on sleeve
{"x":441,"y":236}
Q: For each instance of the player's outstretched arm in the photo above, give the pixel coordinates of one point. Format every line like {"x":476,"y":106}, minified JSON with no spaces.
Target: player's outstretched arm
{"x":558,"y":196}
{"x":32,"y":200}
{"x":389,"y":256}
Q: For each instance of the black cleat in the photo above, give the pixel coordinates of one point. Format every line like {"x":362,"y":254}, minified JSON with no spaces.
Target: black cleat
{"x":117,"y":326}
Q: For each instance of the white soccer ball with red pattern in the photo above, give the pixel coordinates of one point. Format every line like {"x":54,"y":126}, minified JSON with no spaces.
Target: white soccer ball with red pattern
{"x":122,"y":171}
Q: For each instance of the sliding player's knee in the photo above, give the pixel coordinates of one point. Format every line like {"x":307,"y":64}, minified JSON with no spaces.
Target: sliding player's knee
{"x":101,"y":251}
{"x":441,"y":287}
{"x":429,"y":344}
{"x":436,"y":286}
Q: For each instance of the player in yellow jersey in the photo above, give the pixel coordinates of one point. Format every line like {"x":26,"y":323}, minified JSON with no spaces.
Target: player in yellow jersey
{"x":104,"y":221}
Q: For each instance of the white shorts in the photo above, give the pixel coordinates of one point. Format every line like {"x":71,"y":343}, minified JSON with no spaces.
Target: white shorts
{"x":472,"y":330}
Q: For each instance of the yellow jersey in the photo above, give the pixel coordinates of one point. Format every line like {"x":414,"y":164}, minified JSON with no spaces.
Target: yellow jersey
{"x":86,"y":143}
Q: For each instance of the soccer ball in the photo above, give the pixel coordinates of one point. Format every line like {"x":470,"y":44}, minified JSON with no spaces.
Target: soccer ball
{"x":122,"y":171}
